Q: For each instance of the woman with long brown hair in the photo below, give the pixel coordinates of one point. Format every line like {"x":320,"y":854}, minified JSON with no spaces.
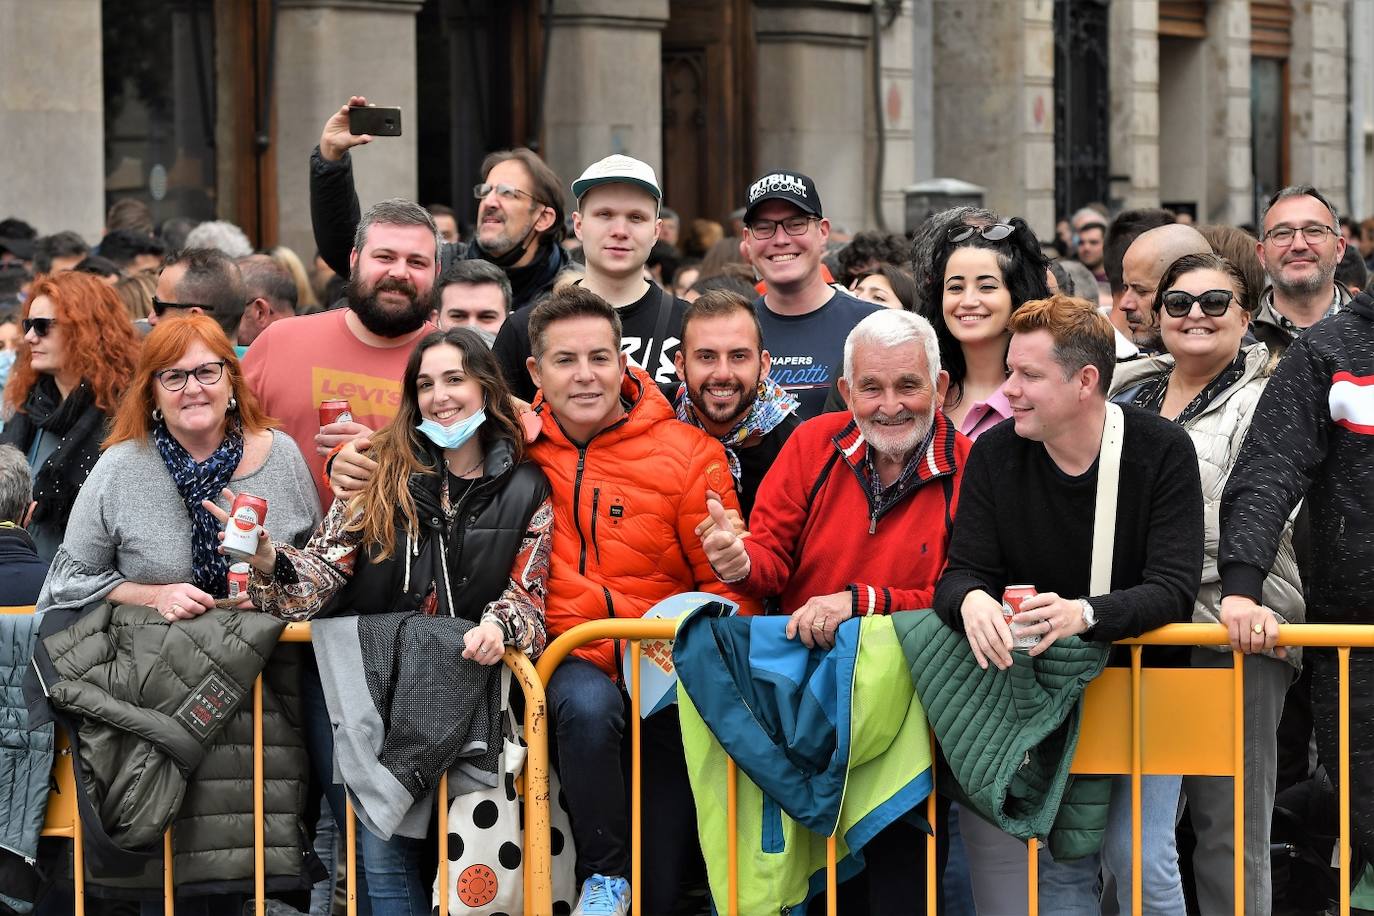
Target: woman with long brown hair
{"x":453,"y":521}
{"x":74,"y":363}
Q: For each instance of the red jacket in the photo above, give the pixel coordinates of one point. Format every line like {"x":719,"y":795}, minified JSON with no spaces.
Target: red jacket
{"x":625,"y":512}
{"x":816,"y":531}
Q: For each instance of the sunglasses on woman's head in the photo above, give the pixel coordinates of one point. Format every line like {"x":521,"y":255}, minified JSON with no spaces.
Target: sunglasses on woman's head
{"x":39,"y":326}
{"x":1214,"y":302}
{"x":994,"y":233}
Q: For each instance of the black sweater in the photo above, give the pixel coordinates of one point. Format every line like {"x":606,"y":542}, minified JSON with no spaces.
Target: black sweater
{"x":1022,"y":520}
{"x":1312,"y":435}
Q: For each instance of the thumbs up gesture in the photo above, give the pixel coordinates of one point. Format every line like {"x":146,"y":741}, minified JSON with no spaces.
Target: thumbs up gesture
{"x":724,"y":548}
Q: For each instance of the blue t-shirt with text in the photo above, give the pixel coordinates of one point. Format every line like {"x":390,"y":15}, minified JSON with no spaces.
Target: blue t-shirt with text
{"x":808,"y":350}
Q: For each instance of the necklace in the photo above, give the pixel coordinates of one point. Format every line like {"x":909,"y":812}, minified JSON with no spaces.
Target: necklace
{"x":468,"y":471}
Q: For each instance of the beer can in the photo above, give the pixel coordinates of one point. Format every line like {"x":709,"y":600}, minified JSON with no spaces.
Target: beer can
{"x":241,"y":531}
{"x":1012,"y":596}
{"x":335,"y":411}
{"x":238,"y":580}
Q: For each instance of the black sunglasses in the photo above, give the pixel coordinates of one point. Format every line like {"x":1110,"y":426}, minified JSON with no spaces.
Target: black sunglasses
{"x":1214,"y":302}
{"x":994,"y":233}
{"x":39,"y":326}
{"x":159,"y":306}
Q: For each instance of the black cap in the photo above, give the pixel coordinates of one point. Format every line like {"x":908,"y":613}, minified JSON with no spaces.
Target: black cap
{"x":20,"y":248}
{"x":793,"y":187}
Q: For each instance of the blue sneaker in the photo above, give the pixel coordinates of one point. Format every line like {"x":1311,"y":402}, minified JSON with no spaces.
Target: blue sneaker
{"x":603,"y":896}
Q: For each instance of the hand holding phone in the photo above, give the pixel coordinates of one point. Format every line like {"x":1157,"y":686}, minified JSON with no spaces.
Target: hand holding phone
{"x":339,"y":136}
{"x":371,"y":120}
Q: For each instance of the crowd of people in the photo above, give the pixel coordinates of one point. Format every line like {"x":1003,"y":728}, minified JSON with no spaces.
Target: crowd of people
{"x":557,"y":417}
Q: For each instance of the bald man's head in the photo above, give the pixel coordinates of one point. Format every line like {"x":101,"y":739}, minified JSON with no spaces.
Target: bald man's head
{"x":1144,"y":264}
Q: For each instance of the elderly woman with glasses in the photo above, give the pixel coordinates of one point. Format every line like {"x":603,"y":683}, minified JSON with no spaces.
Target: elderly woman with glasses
{"x":74,"y":362}
{"x":188,"y":429}
{"x":1209,"y":383}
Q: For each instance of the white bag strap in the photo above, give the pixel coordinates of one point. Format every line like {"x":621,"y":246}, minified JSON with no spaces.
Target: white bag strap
{"x":1104,"y":519}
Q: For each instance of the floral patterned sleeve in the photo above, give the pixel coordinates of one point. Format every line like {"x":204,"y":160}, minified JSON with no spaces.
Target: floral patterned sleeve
{"x":306,"y":578}
{"x":519,"y":612}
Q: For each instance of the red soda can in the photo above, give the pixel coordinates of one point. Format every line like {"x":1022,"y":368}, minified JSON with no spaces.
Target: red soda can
{"x":241,"y":531}
{"x":238,"y":580}
{"x":335,"y":411}
{"x":1012,"y":596}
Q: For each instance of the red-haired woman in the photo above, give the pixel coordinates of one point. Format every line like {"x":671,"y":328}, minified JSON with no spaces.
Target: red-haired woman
{"x":75,"y":361}
{"x":187,"y":429}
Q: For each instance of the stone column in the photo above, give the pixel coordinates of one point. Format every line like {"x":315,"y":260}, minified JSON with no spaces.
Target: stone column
{"x":52,"y":115}
{"x":995,"y":111}
{"x":1230,"y":192}
{"x":328,"y":50}
{"x":1362,"y":109}
{"x":604,"y":90}
{"x":1317,"y":98}
{"x":1134,"y":136}
{"x":813,"y":70}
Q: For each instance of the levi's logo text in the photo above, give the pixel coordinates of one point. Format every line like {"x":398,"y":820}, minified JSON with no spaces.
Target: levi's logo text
{"x":778,"y":181}
{"x":370,"y":397}
{"x":207,"y":706}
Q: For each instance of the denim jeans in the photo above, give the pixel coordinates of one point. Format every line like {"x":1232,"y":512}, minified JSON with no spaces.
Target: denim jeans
{"x":395,"y":874}
{"x":319,"y":743}
{"x":590,"y":714}
{"x":1074,"y":888}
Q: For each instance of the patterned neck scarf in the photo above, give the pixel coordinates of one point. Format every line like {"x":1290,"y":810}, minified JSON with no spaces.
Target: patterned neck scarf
{"x":195,"y":482}
{"x":771,"y":407}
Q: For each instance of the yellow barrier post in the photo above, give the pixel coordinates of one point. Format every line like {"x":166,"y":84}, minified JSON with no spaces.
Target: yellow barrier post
{"x":1238,"y":783}
{"x":442,"y":878}
{"x":538,"y":868}
{"x":832,"y":897}
{"x":351,"y":856}
{"x":1136,"y":777}
{"x":732,"y":841}
{"x":259,"y":809}
{"x":1343,"y":657}
{"x":933,"y":840}
{"x":168,"y":891}
{"x":636,"y":902}
{"x":1033,"y":876}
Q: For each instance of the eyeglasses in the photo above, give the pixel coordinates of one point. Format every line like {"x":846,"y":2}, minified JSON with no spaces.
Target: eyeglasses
{"x":767,"y":228}
{"x":1282,"y":236}
{"x":205,"y":373}
{"x":1214,"y":302}
{"x":994,"y":233}
{"x":159,"y":306}
{"x":39,"y":326}
{"x":505,"y":192}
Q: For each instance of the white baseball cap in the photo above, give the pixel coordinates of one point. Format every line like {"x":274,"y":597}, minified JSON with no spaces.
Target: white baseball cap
{"x":618,"y":169}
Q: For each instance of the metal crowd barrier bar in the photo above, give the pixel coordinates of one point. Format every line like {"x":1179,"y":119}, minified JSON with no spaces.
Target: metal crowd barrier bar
{"x":62,"y":819}
{"x":1153,"y":700}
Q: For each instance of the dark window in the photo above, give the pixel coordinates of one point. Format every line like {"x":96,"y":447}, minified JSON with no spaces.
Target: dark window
{"x":1082,"y":104}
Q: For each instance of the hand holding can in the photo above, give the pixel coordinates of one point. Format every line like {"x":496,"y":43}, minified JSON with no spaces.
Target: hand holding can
{"x":1012,"y":597}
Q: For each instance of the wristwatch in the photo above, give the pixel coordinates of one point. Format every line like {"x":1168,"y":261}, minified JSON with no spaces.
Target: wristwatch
{"x":1089,"y":616}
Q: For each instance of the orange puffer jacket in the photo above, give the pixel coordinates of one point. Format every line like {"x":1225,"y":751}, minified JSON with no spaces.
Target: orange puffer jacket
{"x":625,"y":512}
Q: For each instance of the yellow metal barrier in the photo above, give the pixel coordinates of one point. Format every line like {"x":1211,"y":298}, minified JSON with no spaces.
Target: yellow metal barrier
{"x":62,"y":819}
{"x":1150,"y":699}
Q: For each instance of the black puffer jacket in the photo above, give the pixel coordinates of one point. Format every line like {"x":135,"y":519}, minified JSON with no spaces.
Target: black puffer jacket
{"x":489,"y":524}
{"x":160,"y":717}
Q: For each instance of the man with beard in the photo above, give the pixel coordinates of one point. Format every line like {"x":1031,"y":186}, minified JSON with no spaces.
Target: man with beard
{"x":519,"y":212}
{"x":1027,"y":511}
{"x":1300,"y":247}
{"x":359,"y":353}
{"x":1142,"y":267}
{"x":854,"y":519}
{"x":725,"y":388}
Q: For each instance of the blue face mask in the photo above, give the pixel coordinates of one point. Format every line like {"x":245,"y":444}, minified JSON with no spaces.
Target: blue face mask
{"x":455,"y":435}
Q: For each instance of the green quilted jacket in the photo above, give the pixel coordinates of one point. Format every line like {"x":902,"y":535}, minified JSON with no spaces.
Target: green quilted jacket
{"x":1009,"y":736}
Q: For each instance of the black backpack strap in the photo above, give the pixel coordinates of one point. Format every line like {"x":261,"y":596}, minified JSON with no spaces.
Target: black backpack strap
{"x":947,"y":484}
{"x":656,"y":347}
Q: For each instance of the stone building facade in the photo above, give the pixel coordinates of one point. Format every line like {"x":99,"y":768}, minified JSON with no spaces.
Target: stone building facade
{"x":1045,"y":104}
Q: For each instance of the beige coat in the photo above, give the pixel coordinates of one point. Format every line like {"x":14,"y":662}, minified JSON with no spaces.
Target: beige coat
{"x":1217,"y":434}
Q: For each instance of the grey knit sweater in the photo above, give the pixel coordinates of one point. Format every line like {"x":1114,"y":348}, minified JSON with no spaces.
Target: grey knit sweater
{"x":129,"y":523}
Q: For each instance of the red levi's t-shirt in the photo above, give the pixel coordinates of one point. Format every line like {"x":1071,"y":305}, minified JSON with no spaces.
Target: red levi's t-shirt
{"x":298,"y":362}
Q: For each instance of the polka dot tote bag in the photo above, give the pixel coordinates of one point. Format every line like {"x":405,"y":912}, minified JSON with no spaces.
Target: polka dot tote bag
{"x":486,"y":833}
